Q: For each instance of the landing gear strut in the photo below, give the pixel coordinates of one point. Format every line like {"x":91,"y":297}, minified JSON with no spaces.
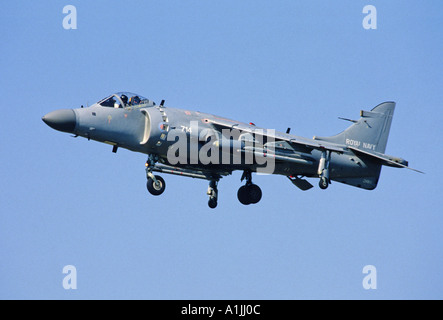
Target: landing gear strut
{"x":213,"y":194}
{"x":249,"y":193}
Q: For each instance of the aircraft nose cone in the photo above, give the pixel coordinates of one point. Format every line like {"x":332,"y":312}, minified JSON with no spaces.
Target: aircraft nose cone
{"x":62,"y":120}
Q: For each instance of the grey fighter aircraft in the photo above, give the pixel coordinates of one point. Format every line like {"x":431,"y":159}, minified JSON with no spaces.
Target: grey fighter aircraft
{"x":200,"y":145}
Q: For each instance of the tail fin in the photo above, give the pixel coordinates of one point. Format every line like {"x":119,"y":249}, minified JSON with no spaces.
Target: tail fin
{"x":370,"y":132}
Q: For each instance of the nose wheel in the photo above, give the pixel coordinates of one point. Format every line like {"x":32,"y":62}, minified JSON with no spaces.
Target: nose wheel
{"x":156,"y":185}
{"x":249,"y":193}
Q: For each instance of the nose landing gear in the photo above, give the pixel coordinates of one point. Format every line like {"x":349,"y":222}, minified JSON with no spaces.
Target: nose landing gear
{"x":155,"y":185}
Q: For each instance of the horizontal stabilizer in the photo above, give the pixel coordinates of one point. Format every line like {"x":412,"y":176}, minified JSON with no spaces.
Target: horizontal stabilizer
{"x":385,"y":159}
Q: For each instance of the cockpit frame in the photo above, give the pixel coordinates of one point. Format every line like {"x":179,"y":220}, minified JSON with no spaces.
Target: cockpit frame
{"x":125,"y":100}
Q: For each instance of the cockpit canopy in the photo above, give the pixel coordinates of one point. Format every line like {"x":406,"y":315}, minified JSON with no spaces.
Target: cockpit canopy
{"x":126,"y":100}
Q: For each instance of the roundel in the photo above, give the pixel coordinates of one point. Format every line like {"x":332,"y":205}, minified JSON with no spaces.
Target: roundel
{"x":162,"y":126}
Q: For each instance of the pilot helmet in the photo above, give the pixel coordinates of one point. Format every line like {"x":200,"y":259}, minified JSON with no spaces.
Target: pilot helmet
{"x":134,"y":100}
{"x":124,"y":98}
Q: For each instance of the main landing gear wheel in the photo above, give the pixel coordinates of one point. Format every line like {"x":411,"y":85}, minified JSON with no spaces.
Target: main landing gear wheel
{"x":212,"y":203}
{"x":156,"y":188}
{"x":249,"y":194}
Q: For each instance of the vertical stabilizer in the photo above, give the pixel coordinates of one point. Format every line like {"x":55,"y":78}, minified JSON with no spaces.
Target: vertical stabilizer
{"x":370,"y":132}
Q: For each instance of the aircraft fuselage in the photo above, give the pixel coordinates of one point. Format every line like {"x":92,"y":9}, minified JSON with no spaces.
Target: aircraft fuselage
{"x":202,"y":145}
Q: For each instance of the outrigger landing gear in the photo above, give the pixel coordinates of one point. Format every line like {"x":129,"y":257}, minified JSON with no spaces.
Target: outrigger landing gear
{"x":323,"y":170}
{"x":213,"y":194}
{"x":249,"y":193}
{"x":155,"y":185}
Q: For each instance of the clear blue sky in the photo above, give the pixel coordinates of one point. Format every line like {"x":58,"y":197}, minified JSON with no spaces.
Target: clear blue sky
{"x":279,"y":64}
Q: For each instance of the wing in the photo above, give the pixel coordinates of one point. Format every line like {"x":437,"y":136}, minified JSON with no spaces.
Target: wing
{"x":276,"y":136}
{"x":309,"y":143}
